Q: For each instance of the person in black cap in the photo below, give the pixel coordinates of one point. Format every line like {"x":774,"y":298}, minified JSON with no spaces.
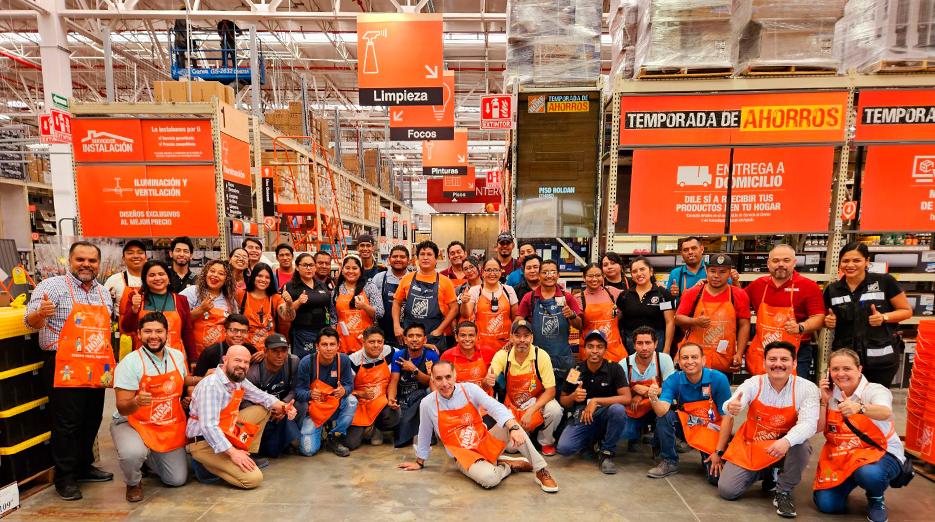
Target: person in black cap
{"x":370,"y":267}
{"x":276,"y":375}
{"x":508,"y":263}
{"x":123,"y":285}
{"x":716,"y":316}
{"x":595,"y":395}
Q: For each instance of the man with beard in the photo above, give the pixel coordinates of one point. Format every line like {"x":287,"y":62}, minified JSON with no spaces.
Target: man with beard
{"x":387,"y":282}
{"x":276,"y":375}
{"x":409,"y":382}
{"x":180,"y":275}
{"x":526,"y":250}
{"x":221,"y":435}
{"x":508,"y":263}
{"x":149,"y":424}
{"x":72,"y":314}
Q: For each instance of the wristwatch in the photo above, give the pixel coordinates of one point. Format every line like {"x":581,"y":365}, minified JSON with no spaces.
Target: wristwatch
{"x":720,"y":453}
{"x":886,"y":318}
{"x":801,"y":328}
{"x":516,"y":427}
{"x":862,"y":410}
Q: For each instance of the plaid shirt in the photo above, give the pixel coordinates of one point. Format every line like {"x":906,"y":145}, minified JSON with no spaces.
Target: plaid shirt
{"x":57,"y":290}
{"x":211,"y":396}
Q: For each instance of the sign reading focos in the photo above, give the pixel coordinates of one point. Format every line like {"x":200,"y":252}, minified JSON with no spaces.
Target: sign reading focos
{"x":426,"y":122}
{"x":446,"y":158}
{"x":399,"y":59}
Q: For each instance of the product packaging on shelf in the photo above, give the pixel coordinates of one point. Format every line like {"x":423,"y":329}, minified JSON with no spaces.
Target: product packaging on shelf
{"x":888,"y":35}
{"x":624,"y":17}
{"x":806,"y":42}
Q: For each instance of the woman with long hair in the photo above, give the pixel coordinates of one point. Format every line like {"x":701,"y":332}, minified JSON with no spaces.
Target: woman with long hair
{"x":263,"y":306}
{"x":211,"y":300}
{"x":600,"y":313}
{"x":154,"y":296}
{"x":357,"y":303}
{"x":646,"y":304}
{"x":311,"y":299}
{"x":612,"y":268}
{"x":239,"y":262}
{"x":492,"y":306}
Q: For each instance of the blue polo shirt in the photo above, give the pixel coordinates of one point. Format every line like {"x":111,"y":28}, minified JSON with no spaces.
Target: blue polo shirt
{"x":685,"y":277}
{"x":677,"y":387}
{"x":515,"y":277}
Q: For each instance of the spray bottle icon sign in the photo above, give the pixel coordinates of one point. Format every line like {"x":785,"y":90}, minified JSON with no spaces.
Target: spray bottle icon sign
{"x":370,"y":53}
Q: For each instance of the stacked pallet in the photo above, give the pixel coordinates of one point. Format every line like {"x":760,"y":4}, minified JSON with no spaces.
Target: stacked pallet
{"x":371,"y":206}
{"x":185,"y":91}
{"x":37,"y":168}
{"x":385,"y":179}
{"x":791,"y":37}
{"x":291,"y":122}
{"x":895,"y":36}
{"x":624,"y":20}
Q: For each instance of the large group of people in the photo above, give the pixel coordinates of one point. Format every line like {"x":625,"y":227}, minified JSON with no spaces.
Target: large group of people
{"x":244,"y":362}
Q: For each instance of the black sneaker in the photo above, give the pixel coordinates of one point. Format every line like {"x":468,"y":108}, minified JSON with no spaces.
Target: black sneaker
{"x":336,"y":445}
{"x":785,"y":507}
{"x":68,"y":490}
{"x":606,"y":462}
{"x":95,"y":474}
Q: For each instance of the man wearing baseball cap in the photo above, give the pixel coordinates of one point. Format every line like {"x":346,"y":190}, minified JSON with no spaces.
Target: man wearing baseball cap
{"x":508,"y":263}
{"x":595,"y":393}
{"x":276,"y":375}
{"x":365,"y":245}
{"x":123,"y":284}
{"x":716,"y":316}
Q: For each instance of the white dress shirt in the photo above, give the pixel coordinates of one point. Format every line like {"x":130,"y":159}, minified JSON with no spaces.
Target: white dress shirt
{"x":807,"y":402}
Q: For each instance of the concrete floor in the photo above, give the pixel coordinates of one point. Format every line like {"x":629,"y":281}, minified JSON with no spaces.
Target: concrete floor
{"x":368,"y":485}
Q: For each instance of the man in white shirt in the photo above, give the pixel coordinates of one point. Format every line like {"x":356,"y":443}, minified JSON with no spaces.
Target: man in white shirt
{"x":783,"y":415}
{"x":134,"y":257}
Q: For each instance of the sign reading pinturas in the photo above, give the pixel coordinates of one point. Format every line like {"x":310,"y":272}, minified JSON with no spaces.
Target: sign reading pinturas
{"x":426,"y":122}
{"x":896,"y":115}
{"x":446,"y":158}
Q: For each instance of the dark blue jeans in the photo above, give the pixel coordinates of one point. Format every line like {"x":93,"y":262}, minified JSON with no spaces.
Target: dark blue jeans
{"x":303,"y":340}
{"x":634,"y":429}
{"x":804,"y":361}
{"x":666,"y":429}
{"x":873,"y":478}
{"x":606,"y":425}
{"x":277,"y":436}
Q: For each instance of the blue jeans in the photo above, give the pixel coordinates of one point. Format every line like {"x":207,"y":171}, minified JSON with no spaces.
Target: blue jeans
{"x":277,"y":436}
{"x":667,"y":427}
{"x":310,"y":435}
{"x":634,"y":429}
{"x":873,"y":478}
{"x":303,"y":340}
{"x":804,"y":361}
{"x":607,"y":424}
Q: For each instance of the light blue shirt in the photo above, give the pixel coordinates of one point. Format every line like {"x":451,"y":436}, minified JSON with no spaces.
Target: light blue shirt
{"x":515,"y":277}
{"x":665,"y":363}
{"x":685,"y":278}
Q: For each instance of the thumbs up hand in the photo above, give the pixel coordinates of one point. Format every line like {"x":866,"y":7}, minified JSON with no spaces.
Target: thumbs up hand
{"x":580,"y":393}
{"x":702,"y":321}
{"x":46,"y":307}
{"x":830,"y":320}
{"x":876,"y":318}
{"x":136,"y":302}
{"x":291,"y":412}
{"x":491,"y":378}
{"x":286,"y":296}
{"x":674,"y":289}
{"x":735,"y":406}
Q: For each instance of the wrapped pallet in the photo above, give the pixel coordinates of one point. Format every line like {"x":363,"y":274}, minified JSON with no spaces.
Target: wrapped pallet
{"x":791,"y":37}
{"x":624,"y":17}
{"x":688,"y":38}
{"x":888,"y":35}
{"x":553,"y":42}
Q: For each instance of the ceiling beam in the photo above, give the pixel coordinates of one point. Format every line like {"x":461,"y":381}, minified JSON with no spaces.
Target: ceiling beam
{"x":249,"y":16}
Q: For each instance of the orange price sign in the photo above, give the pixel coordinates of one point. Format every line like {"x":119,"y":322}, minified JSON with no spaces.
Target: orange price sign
{"x":426,"y":122}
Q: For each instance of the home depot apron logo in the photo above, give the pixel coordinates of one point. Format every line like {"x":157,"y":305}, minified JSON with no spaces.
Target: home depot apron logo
{"x":353,"y":322}
{"x":467,"y":435}
{"x":549,"y":325}
{"x":93,"y":341}
{"x":714,"y":333}
{"x":769,"y":430}
{"x":494,"y":325}
{"x":162,"y":412}
{"x":420,"y":307}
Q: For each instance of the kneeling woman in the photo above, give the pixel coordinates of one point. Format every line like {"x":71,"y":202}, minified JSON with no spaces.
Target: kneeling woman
{"x":861,"y":448}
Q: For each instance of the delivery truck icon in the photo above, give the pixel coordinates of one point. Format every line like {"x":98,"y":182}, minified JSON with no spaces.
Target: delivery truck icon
{"x":694,"y":176}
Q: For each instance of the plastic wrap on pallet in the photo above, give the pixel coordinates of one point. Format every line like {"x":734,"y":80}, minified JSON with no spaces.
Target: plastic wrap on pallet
{"x":623,"y":23}
{"x":796,"y":9}
{"x":875,"y":32}
{"x":690,"y":33}
{"x":805,"y":42}
{"x":553,"y":41}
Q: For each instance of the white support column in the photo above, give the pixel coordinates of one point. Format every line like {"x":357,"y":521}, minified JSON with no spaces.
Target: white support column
{"x":108,"y":65}
{"x":56,"y":78}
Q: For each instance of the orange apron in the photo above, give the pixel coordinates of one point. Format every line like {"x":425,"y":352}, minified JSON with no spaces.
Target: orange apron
{"x":128,"y":292}
{"x":322,"y":409}
{"x":493,"y":328}
{"x":83,"y":355}
{"x":262,"y":322}
{"x":355,"y":320}
{"x":376,"y":376}
{"x":701,"y":424}
{"x":764,"y":425}
{"x":162,"y":424}
{"x":721,"y":333}
{"x":603,"y":317}
{"x":173,"y":334}
{"x":465,"y":436}
{"x":521,"y":388}
{"x":207,"y":329}
{"x":769,"y":328}
{"x":844,"y":452}
{"x":240,"y":433}
{"x":644,"y":406}
{"x":474,"y":372}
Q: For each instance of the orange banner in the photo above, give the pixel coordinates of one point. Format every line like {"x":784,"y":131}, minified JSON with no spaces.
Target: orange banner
{"x":896,"y":115}
{"x":898,"y":190}
{"x":106,"y":140}
{"x":235,"y":160}
{"x":730,"y":119}
{"x":459,"y":186}
{"x":446,"y":158}
{"x":426,"y":122}
{"x":177,"y":140}
{"x":154,"y":201}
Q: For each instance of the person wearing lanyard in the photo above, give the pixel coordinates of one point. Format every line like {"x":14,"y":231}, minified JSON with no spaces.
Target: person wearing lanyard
{"x":427,"y":298}
{"x":409,"y":383}
{"x":783,"y":414}
{"x":123,"y":285}
{"x":698,"y":394}
{"x":311,"y":299}
{"x":357,"y":303}
{"x":788,"y":307}
{"x":221,"y":436}
{"x":156,"y":296}
{"x":149,"y":424}
{"x":239,"y":261}
{"x":276,"y":375}
{"x":387,"y":282}
{"x":180,"y":253}
{"x":508,"y":263}
{"x":492,"y":307}
{"x":323,"y":269}
{"x":862,"y":448}
{"x":690,"y":274}
{"x":456,"y":256}
{"x":236,"y":329}
{"x":612,"y":269}
{"x":600,"y":313}
{"x":452,"y":413}
{"x":552,"y":310}
{"x":211,"y":300}
{"x":371,"y":379}
{"x":644,"y":368}
{"x":716,"y":316}
{"x":530,"y":282}
{"x":516,"y":276}
{"x":325,"y":382}
{"x":472,"y":277}
{"x":646,"y":304}
{"x":595,"y":394}
{"x":286,"y":269}
{"x":863,"y":310}
{"x":369,"y":265}
{"x":262,"y":306}
{"x":529,"y":390}
{"x":465,"y":356}
{"x":72,"y":314}
{"x":254,"y":248}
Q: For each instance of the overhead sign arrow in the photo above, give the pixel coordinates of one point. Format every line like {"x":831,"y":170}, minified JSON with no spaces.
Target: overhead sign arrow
{"x":397,"y":115}
{"x":432,"y":73}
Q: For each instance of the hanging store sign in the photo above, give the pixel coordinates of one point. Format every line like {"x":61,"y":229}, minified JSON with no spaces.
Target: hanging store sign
{"x":898,"y":191}
{"x":483,"y":192}
{"x":235,"y":169}
{"x":543,"y":103}
{"x":107,"y":140}
{"x":177,"y":140}
{"x":732,"y":119}
{"x":399,"y":59}
{"x":496,"y":112}
{"x":426,"y":122}
{"x":896,"y":115}
{"x":446,"y":158}
{"x":269,"y":192}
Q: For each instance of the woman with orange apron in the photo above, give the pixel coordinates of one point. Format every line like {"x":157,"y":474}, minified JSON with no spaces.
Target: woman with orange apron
{"x":324,"y":403}
{"x":262,"y":306}
{"x":770,"y":326}
{"x":492,"y":307}
{"x":154,"y":296}
{"x":600,"y":313}
{"x":211,"y":300}
{"x":357,"y":302}
{"x":719,"y":339}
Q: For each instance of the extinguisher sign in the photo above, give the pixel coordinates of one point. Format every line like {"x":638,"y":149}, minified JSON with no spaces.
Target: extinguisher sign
{"x":496,"y":112}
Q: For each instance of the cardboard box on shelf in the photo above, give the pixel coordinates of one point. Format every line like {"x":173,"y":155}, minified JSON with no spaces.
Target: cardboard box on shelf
{"x":789,"y":42}
{"x":171,"y":91}
{"x":796,"y":9}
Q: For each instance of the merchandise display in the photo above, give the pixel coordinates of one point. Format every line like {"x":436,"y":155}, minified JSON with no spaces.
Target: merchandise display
{"x":888,"y":35}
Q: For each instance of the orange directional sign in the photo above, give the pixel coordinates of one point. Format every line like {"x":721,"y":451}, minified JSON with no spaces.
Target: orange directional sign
{"x":399,"y":59}
{"x":446,"y":158}
{"x":426,"y":122}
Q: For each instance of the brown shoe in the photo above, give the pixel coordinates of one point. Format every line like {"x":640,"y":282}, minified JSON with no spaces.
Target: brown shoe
{"x":135,"y":493}
{"x":545,"y":481}
{"x":516,"y":464}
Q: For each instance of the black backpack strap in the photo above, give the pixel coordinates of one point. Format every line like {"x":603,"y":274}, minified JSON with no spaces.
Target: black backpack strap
{"x":861,"y":435}
{"x":536,"y":365}
{"x":243,"y":303}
